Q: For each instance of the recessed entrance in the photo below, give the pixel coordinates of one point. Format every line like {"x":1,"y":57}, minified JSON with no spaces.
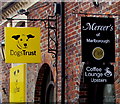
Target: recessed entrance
{"x":101,"y":94}
{"x":44,"y":91}
{"x":96,"y":93}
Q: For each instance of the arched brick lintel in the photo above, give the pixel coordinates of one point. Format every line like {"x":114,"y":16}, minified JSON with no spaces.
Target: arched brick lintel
{"x":47,"y":62}
{"x":47,"y":58}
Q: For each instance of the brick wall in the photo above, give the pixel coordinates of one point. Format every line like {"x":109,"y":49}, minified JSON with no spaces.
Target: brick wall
{"x":73,"y":47}
{"x":75,"y":89}
{"x":4,"y":70}
{"x":42,"y":13}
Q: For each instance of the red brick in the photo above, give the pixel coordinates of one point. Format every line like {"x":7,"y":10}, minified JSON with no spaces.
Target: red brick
{"x":73,"y":63}
{"x":117,"y":58}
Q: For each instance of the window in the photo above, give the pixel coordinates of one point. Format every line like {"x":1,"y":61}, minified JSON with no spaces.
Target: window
{"x":101,"y":94}
{"x":109,"y":94}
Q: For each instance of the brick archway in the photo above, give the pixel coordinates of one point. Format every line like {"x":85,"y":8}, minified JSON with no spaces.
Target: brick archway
{"x":40,"y":87}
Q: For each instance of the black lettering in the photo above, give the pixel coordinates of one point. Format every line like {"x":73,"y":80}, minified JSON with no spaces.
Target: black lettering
{"x":11,"y":52}
{"x":34,"y":53}
{"x":23,"y":52}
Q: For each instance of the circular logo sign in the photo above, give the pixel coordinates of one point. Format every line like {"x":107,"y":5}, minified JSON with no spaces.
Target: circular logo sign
{"x":98,"y":53}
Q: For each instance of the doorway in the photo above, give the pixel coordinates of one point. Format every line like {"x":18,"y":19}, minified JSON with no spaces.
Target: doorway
{"x":44,"y":91}
{"x":101,"y":94}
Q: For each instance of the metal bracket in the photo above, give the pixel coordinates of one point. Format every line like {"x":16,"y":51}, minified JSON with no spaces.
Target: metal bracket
{"x":52,"y":37}
{"x":85,"y":13}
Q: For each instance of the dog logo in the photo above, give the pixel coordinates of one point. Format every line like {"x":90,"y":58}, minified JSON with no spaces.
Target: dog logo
{"x":22,"y":40}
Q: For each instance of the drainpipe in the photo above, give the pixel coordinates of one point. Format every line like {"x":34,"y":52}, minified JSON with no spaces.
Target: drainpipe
{"x":62,"y":53}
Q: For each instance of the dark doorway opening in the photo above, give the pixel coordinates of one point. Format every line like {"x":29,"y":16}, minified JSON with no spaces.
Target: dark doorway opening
{"x":101,"y":94}
{"x":96,"y":93}
{"x":44,"y":91}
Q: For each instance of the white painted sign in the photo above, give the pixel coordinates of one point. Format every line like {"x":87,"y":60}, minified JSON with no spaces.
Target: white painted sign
{"x":98,"y":74}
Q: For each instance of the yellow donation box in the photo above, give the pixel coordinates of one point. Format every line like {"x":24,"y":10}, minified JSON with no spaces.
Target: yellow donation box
{"x":18,"y":84}
{"x":22,"y":45}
